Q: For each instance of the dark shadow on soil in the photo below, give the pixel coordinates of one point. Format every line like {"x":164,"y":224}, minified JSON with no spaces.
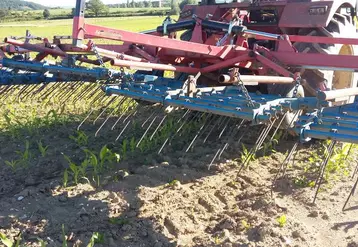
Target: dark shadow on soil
{"x":346,"y":225}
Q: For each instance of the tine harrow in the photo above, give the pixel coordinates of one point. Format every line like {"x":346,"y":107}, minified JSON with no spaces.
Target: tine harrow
{"x":227,"y":77}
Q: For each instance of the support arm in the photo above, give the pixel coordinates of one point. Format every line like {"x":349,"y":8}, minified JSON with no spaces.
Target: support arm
{"x":78,"y":32}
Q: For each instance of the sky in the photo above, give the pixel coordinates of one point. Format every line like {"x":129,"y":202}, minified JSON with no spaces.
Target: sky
{"x":67,"y":3}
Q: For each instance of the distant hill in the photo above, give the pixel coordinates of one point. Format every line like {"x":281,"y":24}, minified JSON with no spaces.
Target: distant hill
{"x":20,"y":5}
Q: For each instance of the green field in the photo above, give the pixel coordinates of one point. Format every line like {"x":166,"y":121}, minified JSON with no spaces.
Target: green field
{"x":49,"y":28}
{"x":60,"y":14}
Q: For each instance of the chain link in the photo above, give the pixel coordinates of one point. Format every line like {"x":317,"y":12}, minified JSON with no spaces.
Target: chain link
{"x":98,"y":56}
{"x":244,"y":90}
{"x":297,"y":84}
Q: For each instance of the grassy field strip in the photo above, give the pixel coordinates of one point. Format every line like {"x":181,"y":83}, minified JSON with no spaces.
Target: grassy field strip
{"x":47,"y":28}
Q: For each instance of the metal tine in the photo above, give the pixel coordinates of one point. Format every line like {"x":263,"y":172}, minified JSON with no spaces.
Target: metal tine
{"x":103,"y":98}
{"x":67,"y":88}
{"x":42,"y":87}
{"x":96,"y":97}
{"x":150,"y":125}
{"x":59,"y":90}
{"x":125,"y":127}
{"x":88,"y":89}
{"x":355,"y":171}
{"x":151,"y":115}
{"x":93,"y":89}
{"x":225,"y":127}
{"x":265,"y":135}
{"x":323,"y":169}
{"x":284,"y":164}
{"x":88,"y":115}
{"x":260,"y":140}
{"x":84,"y":92}
{"x":105,"y":108}
{"x":13,"y":89}
{"x":72,"y":90}
{"x":231,"y":136}
{"x":293,"y":162}
{"x":278,"y":127}
{"x":123,"y":113}
{"x":58,"y":86}
{"x":262,"y":131}
{"x":353,"y":190}
{"x":214,"y":158}
{"x":160,"y":124}
{"x":85,"y":119}
{"x":23,"y":89}
{"x":196,"y":116}
{"x":33,"y":92}
{"x":131,"y":115}
{"x":212,"y":118}
{"x":185,"y":120}
{"x":5,"y":90}
{"x":109,"y":116}
{"x":49,"y":90}
{"x":26,"y":91}
{"x":67,"y":97}
{"x":67,"y":94}
{"x":200,"y":131}
{"x":293,"y":119}
{"x":218,"y":122}
{"x":219,"y":151}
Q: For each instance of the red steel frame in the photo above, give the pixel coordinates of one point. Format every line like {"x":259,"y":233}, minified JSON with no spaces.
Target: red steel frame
{"x":159,"y":51}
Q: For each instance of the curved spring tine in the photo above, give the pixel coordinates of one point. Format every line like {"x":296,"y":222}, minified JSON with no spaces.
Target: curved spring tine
{"x":217,"y":123}
{"x":283,"y":164}
{"x":109,"y":116}
{"x":352,"y":192}
{"x":231,"y":137}
{"x":200,"y":131}
{"x":123,"y":113}
{"x":323,"y":169}
{"x":105,"y":108}
{"x":170,"y":137}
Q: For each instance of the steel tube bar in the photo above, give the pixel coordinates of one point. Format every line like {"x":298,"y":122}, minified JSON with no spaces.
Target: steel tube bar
{"x":156,"y":66}
{"x":330,"y":95}
{"x":257,"y":78}
{"x":37,"y":48}
{"x":115,"y":55}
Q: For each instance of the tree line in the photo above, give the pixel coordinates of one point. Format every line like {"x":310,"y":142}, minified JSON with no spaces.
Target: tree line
{"x":98,"y":8}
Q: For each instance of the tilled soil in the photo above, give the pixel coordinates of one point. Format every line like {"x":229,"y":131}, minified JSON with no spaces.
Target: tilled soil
{"x":176,"y":203}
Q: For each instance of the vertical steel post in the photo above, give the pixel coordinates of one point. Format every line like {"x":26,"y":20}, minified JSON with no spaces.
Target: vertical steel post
{"x":78,"y":31}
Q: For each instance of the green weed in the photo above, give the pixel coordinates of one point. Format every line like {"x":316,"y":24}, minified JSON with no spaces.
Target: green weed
{"x":282,"y":220}
{"x":119,"y":221}
{"x":303,"y":182}
{"x":245,"y":154}
{"x":245,"y":225}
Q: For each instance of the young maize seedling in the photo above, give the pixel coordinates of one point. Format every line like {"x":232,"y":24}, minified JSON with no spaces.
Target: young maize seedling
{"x":43,"y":149}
